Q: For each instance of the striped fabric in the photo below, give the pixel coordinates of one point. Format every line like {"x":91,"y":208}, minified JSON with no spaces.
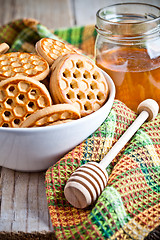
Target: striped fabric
{"x":129,"y":207}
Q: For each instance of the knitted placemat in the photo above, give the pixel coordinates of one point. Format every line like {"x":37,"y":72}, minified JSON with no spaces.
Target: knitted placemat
{"x":129,"y":207}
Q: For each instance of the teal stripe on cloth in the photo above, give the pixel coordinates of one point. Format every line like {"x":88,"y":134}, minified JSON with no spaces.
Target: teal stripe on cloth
{"x":108,"y":216}
{"x":112,"y":195}
{"x":109,"y":206}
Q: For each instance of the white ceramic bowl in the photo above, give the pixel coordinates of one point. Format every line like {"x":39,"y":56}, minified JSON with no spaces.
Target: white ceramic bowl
{"x":36,"y":149}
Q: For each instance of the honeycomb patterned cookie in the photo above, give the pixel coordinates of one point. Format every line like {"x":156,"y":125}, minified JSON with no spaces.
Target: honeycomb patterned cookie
{"x":55,"y":114}
{"x":77,"y":80}
{"x":27,"y":64}
{"x":19,"y":97}
{"x":51,"y":49}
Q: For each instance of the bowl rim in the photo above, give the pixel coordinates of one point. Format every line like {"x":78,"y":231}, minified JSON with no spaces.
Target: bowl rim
{"x":110,"y":100}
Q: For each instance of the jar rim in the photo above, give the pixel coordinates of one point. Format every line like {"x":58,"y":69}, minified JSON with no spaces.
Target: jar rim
{"x":128,"y":23}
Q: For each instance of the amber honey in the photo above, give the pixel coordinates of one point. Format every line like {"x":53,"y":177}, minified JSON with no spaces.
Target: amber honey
{"x":136,"y":75}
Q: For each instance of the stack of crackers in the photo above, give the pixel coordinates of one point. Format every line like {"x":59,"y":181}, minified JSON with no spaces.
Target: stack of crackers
{"x":56,"y":85}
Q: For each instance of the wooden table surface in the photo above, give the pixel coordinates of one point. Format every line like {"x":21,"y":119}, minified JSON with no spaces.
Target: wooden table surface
{"x":23,"y":210}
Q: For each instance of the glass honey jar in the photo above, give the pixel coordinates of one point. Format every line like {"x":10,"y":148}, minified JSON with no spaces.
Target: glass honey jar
{"x":127,"y":47}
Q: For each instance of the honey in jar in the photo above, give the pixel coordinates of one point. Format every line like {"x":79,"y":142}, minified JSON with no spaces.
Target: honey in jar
{"x":128,"y":49}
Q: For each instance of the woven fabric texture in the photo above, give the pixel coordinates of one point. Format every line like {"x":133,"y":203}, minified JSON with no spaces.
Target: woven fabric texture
{"x":129,"y":207}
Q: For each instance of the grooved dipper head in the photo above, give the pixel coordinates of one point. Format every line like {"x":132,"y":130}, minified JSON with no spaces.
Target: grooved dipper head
{"x":85,"y":185}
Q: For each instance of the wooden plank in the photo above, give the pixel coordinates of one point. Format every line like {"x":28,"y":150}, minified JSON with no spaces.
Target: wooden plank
{"x":23,"y":202}
{"x":7,"y":216}
{"x":53,"y":14}
{"x":57,"y":13}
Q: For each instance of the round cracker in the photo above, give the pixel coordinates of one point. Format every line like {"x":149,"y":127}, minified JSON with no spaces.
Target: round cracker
{"x":50,"y":49}
{"x":50,"y":115}
{"x":19,"y":97}
{"x":27,"y":64}
{"x":77,"y":80}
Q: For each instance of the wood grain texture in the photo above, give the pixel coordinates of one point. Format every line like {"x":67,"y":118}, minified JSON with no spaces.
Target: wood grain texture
{"x":23,"y":203}
{"x":53,"y":14}
{"x":57,"y":13}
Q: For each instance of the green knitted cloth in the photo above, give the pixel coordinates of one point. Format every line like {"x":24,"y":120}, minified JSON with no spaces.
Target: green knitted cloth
{"x":22,"y":35}
{"x":129,"y":207}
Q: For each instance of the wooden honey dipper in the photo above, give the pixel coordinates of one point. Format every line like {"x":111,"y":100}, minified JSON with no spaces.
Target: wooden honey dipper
{"x":88,"y":181}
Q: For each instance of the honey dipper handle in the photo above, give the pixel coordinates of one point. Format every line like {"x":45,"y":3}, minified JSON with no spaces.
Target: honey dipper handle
{"x":147,"y":110}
